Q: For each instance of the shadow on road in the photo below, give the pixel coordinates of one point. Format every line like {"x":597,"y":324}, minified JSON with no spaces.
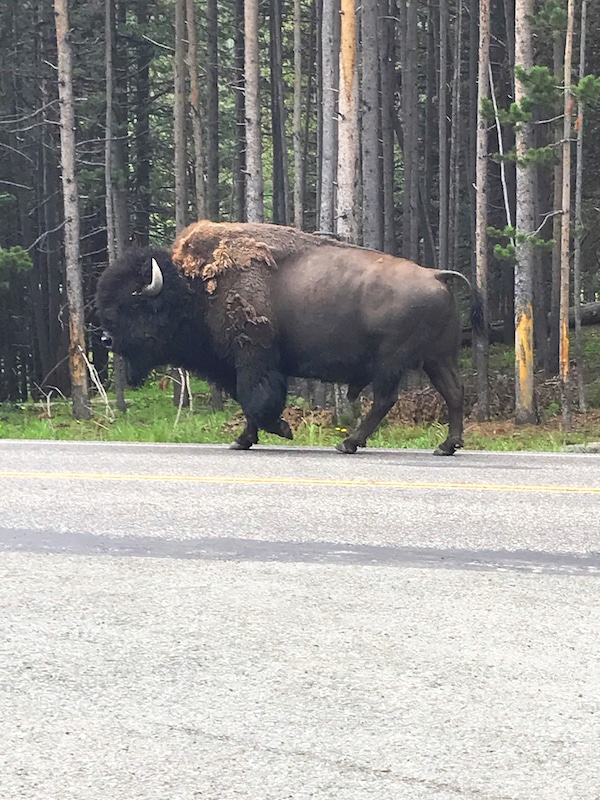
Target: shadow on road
{"x":232,"y":549}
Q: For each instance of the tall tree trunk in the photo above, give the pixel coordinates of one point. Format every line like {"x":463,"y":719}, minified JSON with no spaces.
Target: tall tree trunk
{"x":141,"y":233}
{"x":47,"y":295}
{"x":216,"y":396}
{"x":454,"y":206}
{"x":310,"y":177}
{"x":579,"y":220}
{"x":179,"y":118}
{"x":297,"y":120}
{"x":195,"y":112}
{"x":387,"y":57}
{"x":180,"y":394}
{"x":281,"y":187}
{"x":430,"y":127}
{"x":239,"y":157}
{"x":77,"y":345}
{"x":213,"y":205}
{"x":443,"y":137}
{"x":254,"y":178}
{"x":474,"y":45}
{"x":121,"y":119}
{"x":410,"y":121}
{"x":372,"y":221}
{"x":328,"y":126}
{"x":481,"y":342}
{"x":524,"y":397}
{"x":553,"y":320}
{"x":115,"y":243}
{"x":347,"y":157}
{"x":565,"y":232}
{"x":347,"y":125}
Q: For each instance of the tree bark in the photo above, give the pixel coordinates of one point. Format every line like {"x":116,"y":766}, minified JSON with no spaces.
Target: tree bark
{"x":387,"y":58}
{"x":196,"y":113}
{"x":553,"y":320}
{"x":410,"y":124}
{"x":297,"y":120}
{"x":443,"y":138}
{"x":239,"y":156}
{"x":281,"y":185}
{"x":454,"y":207}
{"x":347,"y":125}
{"x":328,"y":159}
{"x":114,"y":232}
{"x":179,"y":118}
{"x":579,"y":219}
{"x":481,"y":342}
{"x":524,"y":367}
{"x":372,"y":217}
{"x":213,"y":204}
{"x":254,"y":177}
{"x":141,"y":233}
{"x":77,"y":346}
{"x":565,"y":231}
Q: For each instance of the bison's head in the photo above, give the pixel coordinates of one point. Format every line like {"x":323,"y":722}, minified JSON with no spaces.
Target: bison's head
{"x":141,"y":301}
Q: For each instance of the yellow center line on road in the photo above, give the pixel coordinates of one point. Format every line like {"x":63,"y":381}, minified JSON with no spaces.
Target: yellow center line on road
{"x":282,"y":481}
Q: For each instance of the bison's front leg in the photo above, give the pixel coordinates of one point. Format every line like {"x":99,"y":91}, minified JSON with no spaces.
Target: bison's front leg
{"x":262,"y":397}
{"x":280,"y":428}
{"x":249,"y":435}
{"x":246,"y":439}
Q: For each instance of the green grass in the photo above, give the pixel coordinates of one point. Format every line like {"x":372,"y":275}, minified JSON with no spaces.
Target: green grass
{"x":528,"y":438}
{"x":152,"y":417}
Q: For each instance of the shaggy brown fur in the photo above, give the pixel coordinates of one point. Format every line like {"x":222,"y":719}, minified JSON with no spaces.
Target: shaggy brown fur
{"x":219,"y":253}
{"x":207,"y":248}
{"x":249,"y":305}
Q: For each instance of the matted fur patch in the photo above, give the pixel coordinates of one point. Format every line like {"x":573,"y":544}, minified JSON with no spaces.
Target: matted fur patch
{"x":239,"y":253}
{"x":208,"y":250}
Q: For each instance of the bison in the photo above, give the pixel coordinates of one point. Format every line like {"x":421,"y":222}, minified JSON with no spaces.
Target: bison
{"x":248,"y":306}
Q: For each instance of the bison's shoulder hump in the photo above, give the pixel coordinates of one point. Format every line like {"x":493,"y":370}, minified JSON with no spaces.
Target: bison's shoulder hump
{"x":209,"y":250}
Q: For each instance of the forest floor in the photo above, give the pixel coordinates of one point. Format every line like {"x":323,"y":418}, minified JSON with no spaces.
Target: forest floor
{"x":418,"y":419}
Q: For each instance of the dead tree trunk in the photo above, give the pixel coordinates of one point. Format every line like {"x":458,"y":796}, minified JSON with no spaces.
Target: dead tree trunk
{"x":77,"y":345}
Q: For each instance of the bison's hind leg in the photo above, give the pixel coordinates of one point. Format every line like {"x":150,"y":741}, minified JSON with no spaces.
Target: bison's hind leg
{"x":385,"y":394}
{"x":443,"y":374}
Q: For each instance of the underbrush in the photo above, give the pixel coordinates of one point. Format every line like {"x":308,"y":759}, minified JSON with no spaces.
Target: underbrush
{"x":152,"y":417}
{"x":416,"y":421}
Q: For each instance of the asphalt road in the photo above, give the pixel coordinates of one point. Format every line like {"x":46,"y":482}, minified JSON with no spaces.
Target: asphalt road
{"x":190,"y":622}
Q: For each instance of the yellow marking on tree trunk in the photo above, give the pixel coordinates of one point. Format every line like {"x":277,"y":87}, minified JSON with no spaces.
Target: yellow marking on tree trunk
{"x":524,"y":359}
{"x":564,"y":350}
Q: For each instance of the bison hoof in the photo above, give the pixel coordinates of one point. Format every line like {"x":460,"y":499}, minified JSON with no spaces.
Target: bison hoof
{"x":346,"y":447}
{"x":236,"y":445}
{"x":447,"y":448}
{"x":285,"y":430}
{"x":440,"y":452}
{"x":281,"y":428}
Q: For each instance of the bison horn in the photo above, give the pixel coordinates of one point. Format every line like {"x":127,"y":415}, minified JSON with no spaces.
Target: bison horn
{"x":156,"y":284}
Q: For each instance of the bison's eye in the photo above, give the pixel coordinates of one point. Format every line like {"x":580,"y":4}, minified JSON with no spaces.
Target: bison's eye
{"x":106,"y":339}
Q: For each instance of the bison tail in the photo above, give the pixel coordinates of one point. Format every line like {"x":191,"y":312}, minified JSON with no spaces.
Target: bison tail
{"x":477,"y":312}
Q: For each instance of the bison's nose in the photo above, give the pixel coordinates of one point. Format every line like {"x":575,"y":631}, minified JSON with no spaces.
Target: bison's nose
{"x":106,"y":339}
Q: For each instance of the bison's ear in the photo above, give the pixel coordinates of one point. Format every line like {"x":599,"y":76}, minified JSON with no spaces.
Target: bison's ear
{"x":156,"y":282}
